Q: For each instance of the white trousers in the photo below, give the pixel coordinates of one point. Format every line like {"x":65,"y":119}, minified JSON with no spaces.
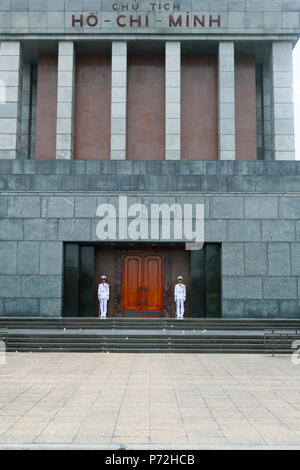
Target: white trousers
{"x":179,"y":308}
{"x":103,"y":307}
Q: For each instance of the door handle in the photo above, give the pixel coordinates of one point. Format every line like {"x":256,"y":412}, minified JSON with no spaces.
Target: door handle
{"x":146,"y":296}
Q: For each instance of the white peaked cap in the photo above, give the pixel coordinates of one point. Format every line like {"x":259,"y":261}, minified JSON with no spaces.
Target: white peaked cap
{"x":179,"y":277}
{"x":103,"y":275}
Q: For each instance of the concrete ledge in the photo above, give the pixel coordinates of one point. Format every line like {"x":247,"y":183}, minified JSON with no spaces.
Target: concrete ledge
{"x":204,"y":176}
{"x":150,"y":167}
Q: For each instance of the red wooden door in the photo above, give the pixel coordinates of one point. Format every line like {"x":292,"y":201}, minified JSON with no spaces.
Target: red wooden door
{"x":132,"y":284}
{"x":142,"y":286}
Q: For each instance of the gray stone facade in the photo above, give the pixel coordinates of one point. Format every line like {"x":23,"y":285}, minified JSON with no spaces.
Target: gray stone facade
{"x":252,"y":208}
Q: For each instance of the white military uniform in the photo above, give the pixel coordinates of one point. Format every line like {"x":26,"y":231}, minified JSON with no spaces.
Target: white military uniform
{"x":179,"y":297}
{"x":103,"y":296}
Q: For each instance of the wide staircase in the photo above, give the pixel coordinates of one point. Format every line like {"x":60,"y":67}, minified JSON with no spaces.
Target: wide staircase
{"x":146,"y":335}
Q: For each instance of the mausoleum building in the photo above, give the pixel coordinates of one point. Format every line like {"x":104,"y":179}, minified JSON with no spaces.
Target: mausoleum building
{"x":145,"y":140}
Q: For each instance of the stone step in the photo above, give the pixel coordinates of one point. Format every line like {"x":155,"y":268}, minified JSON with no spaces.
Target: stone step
{"x":146,"y":323}
{"x":141,"y":339}
{"x":148,"y":350}
{"x":145,"y":335}
{"x":176,"y":344}
{"x":105,"y":344}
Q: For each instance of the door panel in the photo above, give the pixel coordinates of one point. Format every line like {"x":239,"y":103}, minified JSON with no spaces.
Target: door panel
{"x":198,"y":305}
{"x":78,"y":280}
{"x":71,"y":277}
{"x":132,"y":285}
{"x":213,"y":284}
{"x":86,"y":281}
{"x":152,"y":285}
{"x":142,"y":285}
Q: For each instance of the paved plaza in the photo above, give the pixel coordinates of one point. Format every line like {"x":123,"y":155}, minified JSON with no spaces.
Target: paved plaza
{"x":149,"y":400}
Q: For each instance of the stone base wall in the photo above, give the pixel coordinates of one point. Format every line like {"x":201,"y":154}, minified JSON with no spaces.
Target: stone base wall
{"x":252,"y":208}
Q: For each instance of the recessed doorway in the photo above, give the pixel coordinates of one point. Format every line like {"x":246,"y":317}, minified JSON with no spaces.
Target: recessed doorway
{"x":142,"y":285}
{"x":142,"y":277}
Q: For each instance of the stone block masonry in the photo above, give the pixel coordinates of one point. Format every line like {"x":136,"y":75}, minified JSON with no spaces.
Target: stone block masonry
{"x":259,"y":231}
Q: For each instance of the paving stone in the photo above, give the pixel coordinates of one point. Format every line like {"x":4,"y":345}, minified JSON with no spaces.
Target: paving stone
{"x":237,"y":396}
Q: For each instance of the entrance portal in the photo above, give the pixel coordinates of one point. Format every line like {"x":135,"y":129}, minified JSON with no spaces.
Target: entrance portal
{"x":141,"y":278}
{"x":142,"y":285}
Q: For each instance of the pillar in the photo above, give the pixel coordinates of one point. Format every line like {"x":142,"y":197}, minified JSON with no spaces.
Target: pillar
{"x":26,"y":113}
{"x":283,"y":140}
{"x":226,"y":103}
{"x":267,"y":112}
{"x":172,"y":81}
{"x":10,"y":99}
{"x":118,"y":100}
{"x":65,"y":100}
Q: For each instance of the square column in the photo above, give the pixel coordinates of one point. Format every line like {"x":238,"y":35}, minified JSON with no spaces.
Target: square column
{"x":118,"y":100}
{"x":65,"y":100}
{"x":26,"y":112}
{"x":283,"y":140}
{"x":173,"y":83}
{"x":226,"y":84}
{"x":10,"y":99}
{"x":267,"y":112}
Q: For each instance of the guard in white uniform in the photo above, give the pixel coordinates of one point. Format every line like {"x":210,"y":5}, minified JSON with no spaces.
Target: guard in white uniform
{"x":179,"y":297}
{"x":103,"y":296}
